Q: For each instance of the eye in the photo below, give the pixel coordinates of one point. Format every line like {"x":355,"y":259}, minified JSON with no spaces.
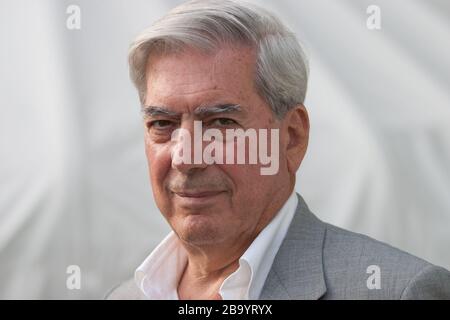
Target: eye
{"x":223,"y":122}
{"x":159,"y":124}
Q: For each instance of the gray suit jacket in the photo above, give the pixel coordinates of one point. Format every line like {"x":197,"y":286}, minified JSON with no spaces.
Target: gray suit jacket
{"x":320,"y":261}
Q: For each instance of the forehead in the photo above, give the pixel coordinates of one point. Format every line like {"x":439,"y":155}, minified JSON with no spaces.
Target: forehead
{"x":191,"y":77}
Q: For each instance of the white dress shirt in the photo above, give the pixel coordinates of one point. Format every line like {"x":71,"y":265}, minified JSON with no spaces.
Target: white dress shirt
{"x":159,"y":274}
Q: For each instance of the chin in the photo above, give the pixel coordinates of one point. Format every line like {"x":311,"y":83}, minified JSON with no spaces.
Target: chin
{"x":199,"y":230}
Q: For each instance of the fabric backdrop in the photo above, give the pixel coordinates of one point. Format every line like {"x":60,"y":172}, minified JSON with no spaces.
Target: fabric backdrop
{"x":73,"y":178}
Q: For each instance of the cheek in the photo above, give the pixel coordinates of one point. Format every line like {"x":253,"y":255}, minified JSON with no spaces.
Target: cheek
{"x":159,"y":163}
{"x":245,"y":177}
{"x":251,"y":188}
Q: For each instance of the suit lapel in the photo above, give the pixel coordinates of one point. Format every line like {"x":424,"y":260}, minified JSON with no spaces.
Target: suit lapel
{"x":297,"y":270}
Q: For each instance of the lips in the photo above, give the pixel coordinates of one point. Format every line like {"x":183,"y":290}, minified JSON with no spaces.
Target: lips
{"x":197,"y":200}
{"x":197,"y":194}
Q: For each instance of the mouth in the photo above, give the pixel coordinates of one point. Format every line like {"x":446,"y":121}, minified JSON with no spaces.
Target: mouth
{"x":197,"y":198}
{"x":196,"y":194}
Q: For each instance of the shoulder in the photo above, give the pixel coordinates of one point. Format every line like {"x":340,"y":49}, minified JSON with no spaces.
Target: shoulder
{"x":352,"y":246}
{"x":127,"y":290}
{"x":356,"y":265}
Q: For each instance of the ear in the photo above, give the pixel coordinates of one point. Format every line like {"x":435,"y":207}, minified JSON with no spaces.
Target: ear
{"x":297,"y":132}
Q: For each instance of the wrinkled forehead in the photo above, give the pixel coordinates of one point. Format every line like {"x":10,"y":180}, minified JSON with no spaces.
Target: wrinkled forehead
{"x":194,"y":77}
{"x":227,"y":60}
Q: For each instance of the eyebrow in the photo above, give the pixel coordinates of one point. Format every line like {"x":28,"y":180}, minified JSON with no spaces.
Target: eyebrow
{"x":202,"y":111}
{"x":152,"y":111}
{"x":205,"y":111}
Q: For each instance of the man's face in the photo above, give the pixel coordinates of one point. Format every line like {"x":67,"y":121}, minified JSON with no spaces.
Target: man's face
{"x":209,"y":204}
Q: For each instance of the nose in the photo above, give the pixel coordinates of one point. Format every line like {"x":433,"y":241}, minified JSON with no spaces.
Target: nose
{"x":187,"y":148}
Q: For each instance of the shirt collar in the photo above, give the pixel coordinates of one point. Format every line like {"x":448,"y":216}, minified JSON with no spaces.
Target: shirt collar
{"x":255,"y":263}
{"x":159,"y":274}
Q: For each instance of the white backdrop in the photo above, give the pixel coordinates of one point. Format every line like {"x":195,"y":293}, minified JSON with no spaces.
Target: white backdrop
{"x":73,"y":176}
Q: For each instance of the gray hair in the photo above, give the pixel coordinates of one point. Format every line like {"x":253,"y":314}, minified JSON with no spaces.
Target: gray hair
{"x":282,"y":70}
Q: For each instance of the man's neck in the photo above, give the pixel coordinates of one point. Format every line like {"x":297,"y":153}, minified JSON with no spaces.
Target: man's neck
{"x":200,"y":284}
{"x":209,"y":265}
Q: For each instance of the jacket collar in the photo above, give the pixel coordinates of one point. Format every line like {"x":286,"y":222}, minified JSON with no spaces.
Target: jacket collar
{"x":297,"y":270}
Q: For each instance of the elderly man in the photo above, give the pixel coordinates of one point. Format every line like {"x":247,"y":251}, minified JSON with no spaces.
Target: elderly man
{"x":240,"y":232}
